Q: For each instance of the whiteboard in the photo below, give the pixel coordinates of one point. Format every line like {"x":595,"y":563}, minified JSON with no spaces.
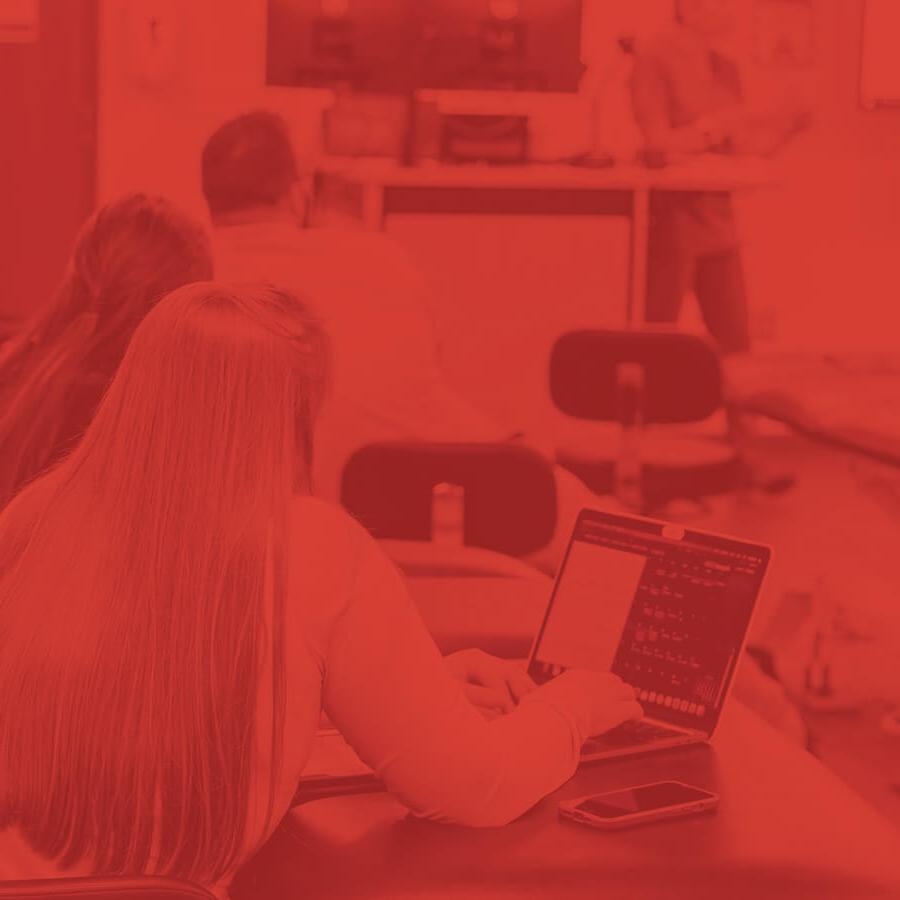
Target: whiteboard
{"x":880,"y":64}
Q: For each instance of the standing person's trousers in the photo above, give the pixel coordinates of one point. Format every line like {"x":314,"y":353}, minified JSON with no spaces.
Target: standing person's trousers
{"x":683,"y":257}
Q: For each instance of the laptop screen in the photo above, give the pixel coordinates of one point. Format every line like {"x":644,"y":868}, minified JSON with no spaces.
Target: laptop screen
{"x":664,"y":608}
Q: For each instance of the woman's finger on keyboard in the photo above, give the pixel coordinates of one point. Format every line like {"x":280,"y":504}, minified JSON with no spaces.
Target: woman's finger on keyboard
{"x":622,"y":690}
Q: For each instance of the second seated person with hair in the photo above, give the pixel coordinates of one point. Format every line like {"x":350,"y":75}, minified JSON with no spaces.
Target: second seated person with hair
{"x":54,"y":370}
{"x":176,"y":612}
{"x":388,"y":384}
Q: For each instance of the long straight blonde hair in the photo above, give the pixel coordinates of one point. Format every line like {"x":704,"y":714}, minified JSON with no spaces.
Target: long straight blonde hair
{"x":134,"y":585}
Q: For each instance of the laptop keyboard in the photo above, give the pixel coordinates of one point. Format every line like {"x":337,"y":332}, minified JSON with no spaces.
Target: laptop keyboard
{"x":628,"y":734}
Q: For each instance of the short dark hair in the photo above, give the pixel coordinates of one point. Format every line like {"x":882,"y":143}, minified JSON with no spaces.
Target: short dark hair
{"x":248,"y":162}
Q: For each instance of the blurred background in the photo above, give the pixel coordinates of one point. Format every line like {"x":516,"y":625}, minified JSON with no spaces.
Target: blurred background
{"x":102,"y":97}
{"x":118,"y":95}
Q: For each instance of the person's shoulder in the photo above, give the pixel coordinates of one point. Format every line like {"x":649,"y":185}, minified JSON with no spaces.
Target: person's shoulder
{"x":262,"y":251}
{"x":327,"y":549}
{"x":313,"y":513}
{"x":324,"y":531}
{"x":355,"y":245}
{"x":307,"y":507}
{"x":347,"y":236}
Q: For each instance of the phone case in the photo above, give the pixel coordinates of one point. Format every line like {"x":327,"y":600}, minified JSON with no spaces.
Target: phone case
{"x":568,"y":810}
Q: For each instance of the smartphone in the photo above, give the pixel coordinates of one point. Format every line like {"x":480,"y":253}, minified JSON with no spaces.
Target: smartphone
{"x":639,"y":804}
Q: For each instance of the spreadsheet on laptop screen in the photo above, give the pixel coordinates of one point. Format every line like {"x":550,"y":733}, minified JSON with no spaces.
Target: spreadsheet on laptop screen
{"x":667,"y":615}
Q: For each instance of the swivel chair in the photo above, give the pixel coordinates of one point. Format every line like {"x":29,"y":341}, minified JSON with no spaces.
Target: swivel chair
{"x":638,"y":378}
{"x":507,"y":493}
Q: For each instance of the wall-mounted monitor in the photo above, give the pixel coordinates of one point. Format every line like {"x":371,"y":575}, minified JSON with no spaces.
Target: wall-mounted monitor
{"x":391,"y":46}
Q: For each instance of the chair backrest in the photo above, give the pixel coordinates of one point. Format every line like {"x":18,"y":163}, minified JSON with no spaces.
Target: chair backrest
{"x":103,"y":889}
{"x":682,"y":375}
{"x":509,"y":491}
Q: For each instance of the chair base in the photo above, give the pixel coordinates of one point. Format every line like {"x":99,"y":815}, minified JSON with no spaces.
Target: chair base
{"x":716,"y":469}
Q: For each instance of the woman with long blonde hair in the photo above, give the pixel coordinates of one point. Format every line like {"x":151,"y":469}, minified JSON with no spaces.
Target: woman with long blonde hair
{"x":176,"y":612}
{"x":54,"y":371}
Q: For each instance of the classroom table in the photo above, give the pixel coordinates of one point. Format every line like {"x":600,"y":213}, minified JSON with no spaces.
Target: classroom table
{"x":372,"y":190}
{"x":786,"y":828}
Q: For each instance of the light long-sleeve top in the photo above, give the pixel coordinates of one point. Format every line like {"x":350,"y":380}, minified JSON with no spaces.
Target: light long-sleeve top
{"x":386,"y":379}
{"x":357,"y":649}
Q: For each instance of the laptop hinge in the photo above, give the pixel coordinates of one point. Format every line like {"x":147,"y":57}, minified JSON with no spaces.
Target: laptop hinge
{"x":693,"y":732}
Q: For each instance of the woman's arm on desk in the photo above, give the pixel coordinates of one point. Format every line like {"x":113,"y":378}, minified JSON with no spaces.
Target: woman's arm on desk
{"x":390,"y":693}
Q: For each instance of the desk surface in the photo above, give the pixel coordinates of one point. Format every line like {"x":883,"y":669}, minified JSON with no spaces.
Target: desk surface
{"x":706,"y":173}
{"x":786,"y":828}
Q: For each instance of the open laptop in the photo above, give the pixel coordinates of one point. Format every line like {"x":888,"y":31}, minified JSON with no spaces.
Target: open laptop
{"x":665,"y":608}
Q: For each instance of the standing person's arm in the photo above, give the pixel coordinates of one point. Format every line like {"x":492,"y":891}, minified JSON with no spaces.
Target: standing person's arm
{"x":388,"y":690}
{"x":762,"y":133}
{"x":649,"y":97}
{"x":768,"y":135}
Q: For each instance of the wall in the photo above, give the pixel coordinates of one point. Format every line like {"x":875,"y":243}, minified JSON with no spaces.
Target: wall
{"x":820,"y":248}
{"x":825,"y":247}
{"x":47,"y":101}
{"x":161,"y":97}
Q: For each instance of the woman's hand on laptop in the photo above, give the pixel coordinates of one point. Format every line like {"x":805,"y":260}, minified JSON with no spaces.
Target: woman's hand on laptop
{"x":494,"y":685}
{"x":598,"y":700}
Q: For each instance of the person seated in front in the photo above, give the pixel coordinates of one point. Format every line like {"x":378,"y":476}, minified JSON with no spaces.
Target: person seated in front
{"x":388,"y":382}
{"x":176,"y":612}
{"x":55,"y":369}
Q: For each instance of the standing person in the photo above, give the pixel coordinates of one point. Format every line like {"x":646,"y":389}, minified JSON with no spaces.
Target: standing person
{"x":176,"y":612}
{"x":688,"y":100}
{"x":55,"y":370}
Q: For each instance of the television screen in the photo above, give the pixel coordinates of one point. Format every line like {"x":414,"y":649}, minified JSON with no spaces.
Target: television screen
{"x":389,"y":46}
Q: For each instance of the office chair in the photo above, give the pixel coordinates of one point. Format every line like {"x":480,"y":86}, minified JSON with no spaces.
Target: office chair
{"x":639,"y":378}
{"x":141,"y":888}
{"x":508,"y":493}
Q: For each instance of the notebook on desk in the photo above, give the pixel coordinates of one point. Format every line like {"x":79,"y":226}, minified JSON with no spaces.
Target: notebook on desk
{"x":665,"y":608}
